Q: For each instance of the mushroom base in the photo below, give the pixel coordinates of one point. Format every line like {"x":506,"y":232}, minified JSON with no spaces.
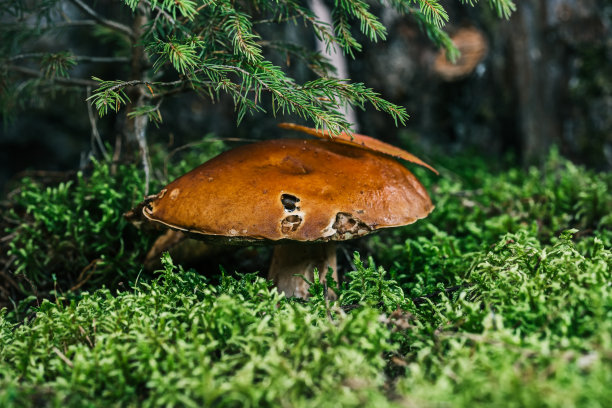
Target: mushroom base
{"x":294,"y":259}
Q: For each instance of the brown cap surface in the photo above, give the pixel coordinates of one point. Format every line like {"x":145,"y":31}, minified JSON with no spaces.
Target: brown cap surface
{"x":363,"y":141}
{"x":290,"y":189}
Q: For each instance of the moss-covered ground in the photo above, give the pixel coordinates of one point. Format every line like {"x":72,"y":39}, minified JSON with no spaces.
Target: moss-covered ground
{"x":502,"y":297}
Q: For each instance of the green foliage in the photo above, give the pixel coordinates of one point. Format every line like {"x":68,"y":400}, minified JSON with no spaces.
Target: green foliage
{"x":75,"y":233}
{"x":110,"y":95}
{"x":370,"y":285}
{"x":73,"y":236}
{"x":179,"y":341}
{"x":55,"y":65}
{"x":494,"y":300}
{"x":474,"y":210}
{"x":533,"y":328}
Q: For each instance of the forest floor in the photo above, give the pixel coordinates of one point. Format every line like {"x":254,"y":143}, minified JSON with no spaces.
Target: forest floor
{"x":501,"y":297}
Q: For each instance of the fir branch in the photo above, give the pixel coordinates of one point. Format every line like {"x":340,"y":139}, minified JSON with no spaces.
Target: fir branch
{"x":356,"y":94}
{"x":161,"y":12}
{"x":152,"y":113}
{"x":318,"y":63}
{"x":436,"y":34}
{"x":504,"y":8}
{"x":169,"y":8}
{"x":434,"y":12}
{"x":290,"y":11}
{"x":369,"y":24}
{"x":57,"y":64}
{"x":110,"y":95}
{"x":311,"y":102}
{"x":181,"y":55}
{"x":342,"y":27}
{"x":187,"y":8}
{"x":103,"y":21}
{"x":322,"y":30}
{"x":239,"y":28}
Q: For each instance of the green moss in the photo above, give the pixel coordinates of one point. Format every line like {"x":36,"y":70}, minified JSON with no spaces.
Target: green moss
{"x":181,"y":341}
{"x":502,"y":297}
{"x":73,"y":236}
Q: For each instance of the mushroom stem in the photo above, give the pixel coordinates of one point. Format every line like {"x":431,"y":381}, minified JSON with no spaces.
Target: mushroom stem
{"x":294,"y":259}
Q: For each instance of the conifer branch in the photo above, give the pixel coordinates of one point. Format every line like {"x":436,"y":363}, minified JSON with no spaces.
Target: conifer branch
{"x":214,"y":47}
{"x":103,"y":21}
{"x":434,"y":12}
{"x":319,"y":64}
{"x":161,"y":12}
{"x":240,"y":29}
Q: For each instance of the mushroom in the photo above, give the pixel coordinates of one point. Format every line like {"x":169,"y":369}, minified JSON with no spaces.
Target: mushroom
{"x":302,"y":195}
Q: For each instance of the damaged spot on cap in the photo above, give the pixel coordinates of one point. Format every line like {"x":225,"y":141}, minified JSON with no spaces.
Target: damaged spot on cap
{"x":290,"y":202}
{"x":290,"y":223}
{"x":345,"y":226}
{"x":174,"y":193}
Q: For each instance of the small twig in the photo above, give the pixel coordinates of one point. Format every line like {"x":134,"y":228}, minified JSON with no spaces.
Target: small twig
{"x":83,"y":333}
{"x":140,"y":128}
{"x":8,"y":237}
{"x":59,"y":25}
{"x":162,"y":12}
{"x":136,"y":82}
{"x":116,"y":153}
{"x":63,"y":357}
{"x":80,"y":280}
{"x":95,"y":134}
{"x":105,"y":22}
{"x":67,"y":24}
{"x":60,"y":80}
{"x":79,"y":58}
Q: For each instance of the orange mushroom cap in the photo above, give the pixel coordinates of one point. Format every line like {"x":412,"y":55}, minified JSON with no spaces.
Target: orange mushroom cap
{"x":362,"y":141}
{"x":289,"y":189}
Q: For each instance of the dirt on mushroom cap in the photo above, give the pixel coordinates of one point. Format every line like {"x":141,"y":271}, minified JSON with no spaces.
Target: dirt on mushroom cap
{"x":288,"y":189}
